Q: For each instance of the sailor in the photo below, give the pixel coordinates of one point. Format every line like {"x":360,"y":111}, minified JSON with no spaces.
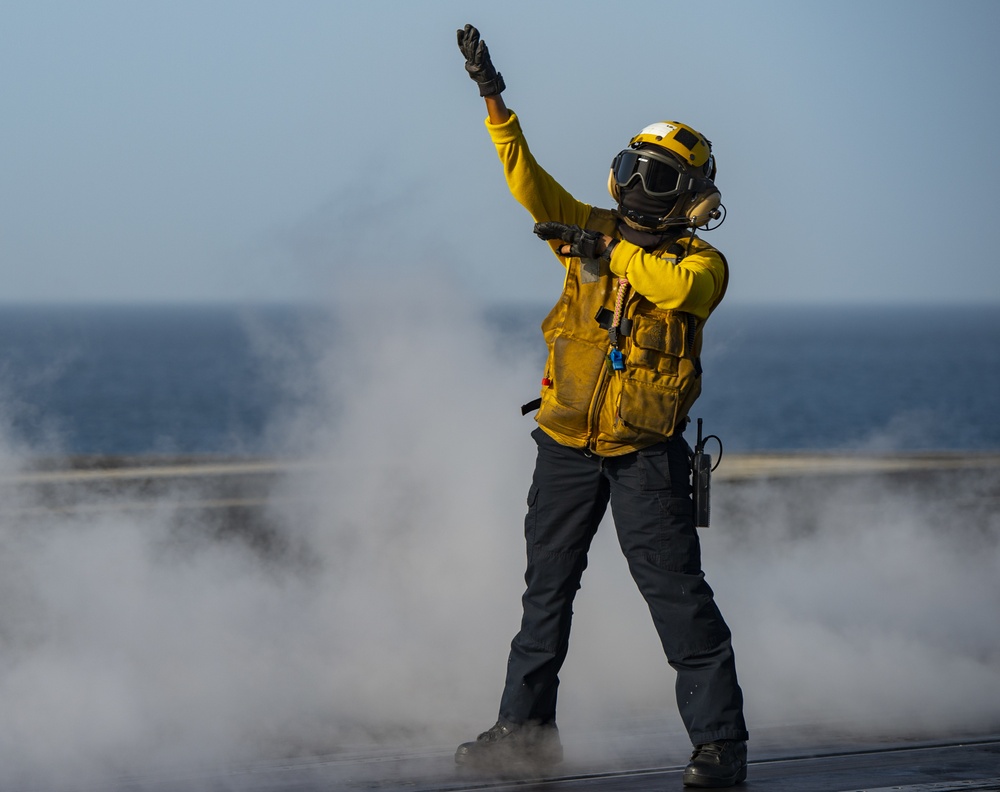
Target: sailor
{"x":623,"y":370}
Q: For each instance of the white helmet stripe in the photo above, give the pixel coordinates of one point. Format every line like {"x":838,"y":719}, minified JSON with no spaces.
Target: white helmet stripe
{"x":660,"y":129}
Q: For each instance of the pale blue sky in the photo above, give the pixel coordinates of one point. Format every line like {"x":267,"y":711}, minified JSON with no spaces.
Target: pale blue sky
{"x":273,"y":150}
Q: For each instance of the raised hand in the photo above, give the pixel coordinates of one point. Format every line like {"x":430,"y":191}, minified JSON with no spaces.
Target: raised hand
{"x":478,"y":63}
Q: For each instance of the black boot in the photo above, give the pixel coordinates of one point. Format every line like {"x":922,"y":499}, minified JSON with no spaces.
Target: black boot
{"x":512,"y":747}
{"x":717,"y":764}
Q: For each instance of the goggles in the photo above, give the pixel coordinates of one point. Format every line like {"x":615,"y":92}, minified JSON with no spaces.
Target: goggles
{"x":660,"y":174}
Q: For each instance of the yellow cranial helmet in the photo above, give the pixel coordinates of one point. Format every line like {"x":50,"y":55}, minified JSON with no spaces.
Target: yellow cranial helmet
{"x":693,"y":148}
{"x":666,"y":178}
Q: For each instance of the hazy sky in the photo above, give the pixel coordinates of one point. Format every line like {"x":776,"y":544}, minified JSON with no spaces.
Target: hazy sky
{"x":277,"y":150}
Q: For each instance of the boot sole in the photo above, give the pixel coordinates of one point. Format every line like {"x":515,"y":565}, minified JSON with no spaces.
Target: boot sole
{"x":694,"y":780}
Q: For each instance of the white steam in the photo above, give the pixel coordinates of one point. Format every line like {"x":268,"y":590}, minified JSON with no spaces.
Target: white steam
{"x":383,"y":609}
{"x":868,"y":607}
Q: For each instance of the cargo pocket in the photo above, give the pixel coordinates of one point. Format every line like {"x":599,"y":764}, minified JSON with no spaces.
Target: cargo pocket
{"x":648,"y":407}
{"x":651,"y":387}
{"x":679,"y":547}
{"x":657,"y":342}
{"x":576,"y":367}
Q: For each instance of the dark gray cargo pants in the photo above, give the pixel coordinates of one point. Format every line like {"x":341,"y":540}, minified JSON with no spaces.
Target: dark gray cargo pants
{"x":650,"y":500}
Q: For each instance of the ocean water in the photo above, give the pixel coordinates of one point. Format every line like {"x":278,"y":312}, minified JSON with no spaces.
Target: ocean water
{"x":210,"y":380}
{"x":858,"y":378}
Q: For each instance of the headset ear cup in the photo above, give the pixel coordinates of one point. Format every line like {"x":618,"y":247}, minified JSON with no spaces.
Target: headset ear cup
{"x":613,"y":186}
{"x":703,"y":205}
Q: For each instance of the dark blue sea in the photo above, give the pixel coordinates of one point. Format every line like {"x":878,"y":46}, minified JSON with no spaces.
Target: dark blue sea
{"x":209,"y":379}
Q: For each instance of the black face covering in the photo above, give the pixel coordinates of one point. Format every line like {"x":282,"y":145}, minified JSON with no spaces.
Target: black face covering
{"x":634,"y":199}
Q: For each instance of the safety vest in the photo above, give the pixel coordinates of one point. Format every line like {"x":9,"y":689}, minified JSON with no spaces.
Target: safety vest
{"x":585,"y":402}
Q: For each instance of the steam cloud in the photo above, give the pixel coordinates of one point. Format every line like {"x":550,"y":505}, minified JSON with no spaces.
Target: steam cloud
{"x":383,"y":612}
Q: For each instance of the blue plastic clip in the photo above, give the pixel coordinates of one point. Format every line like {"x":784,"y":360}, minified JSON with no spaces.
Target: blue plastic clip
{"x":617,"y":361}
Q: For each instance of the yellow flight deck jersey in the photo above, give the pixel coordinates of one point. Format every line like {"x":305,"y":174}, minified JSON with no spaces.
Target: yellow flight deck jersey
{"x":666,"y":296}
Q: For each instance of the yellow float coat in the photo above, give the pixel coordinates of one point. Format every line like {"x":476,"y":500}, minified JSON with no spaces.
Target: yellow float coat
{"x":670,"y":293}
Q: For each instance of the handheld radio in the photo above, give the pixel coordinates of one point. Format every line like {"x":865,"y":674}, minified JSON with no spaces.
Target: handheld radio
{"x":701,"y":479}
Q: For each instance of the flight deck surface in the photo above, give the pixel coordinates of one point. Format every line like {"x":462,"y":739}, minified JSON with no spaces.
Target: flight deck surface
{"x":948,"y":765}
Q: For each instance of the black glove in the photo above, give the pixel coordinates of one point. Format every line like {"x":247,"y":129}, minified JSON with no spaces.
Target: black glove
{"x":582,"y":242}
{"x":478,"y":63}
